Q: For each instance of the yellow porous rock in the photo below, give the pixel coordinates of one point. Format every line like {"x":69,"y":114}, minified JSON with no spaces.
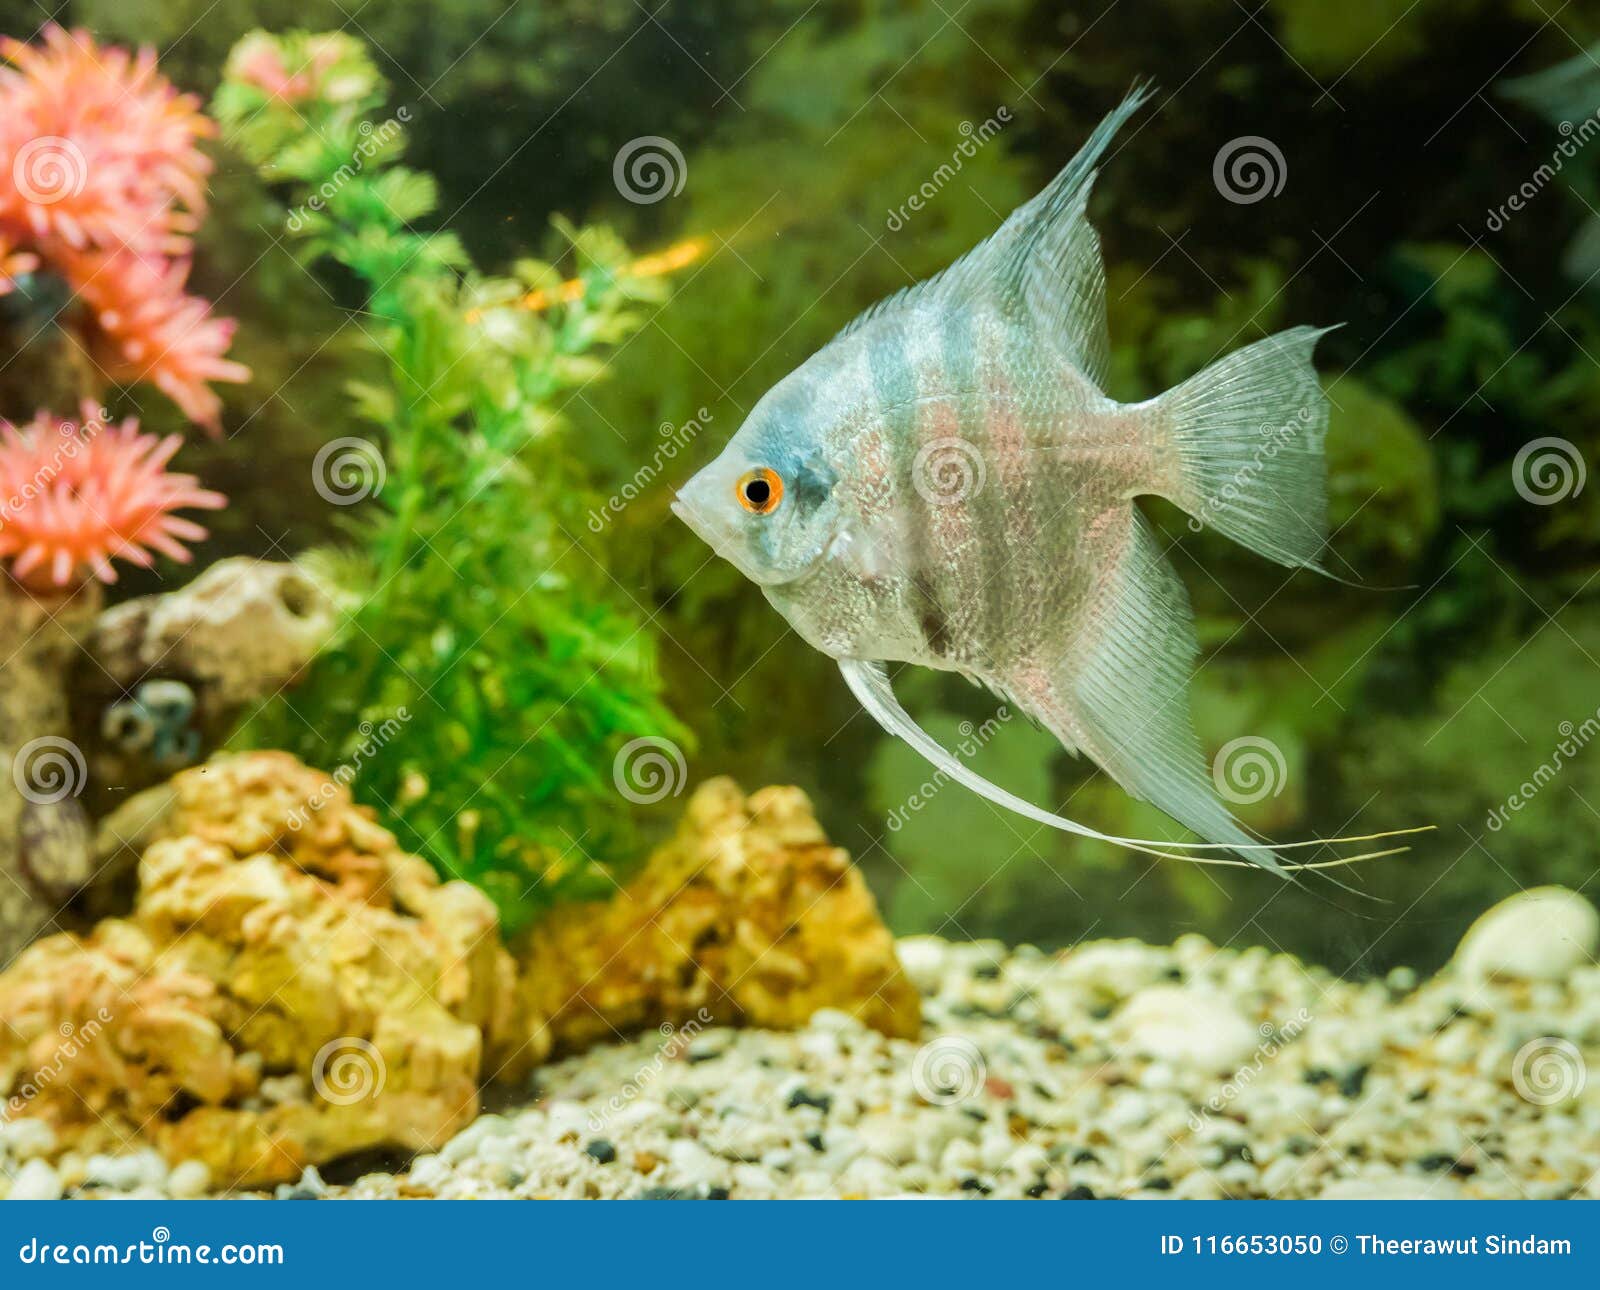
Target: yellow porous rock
{"x":290,"y":987}
{"x":748,"y":914}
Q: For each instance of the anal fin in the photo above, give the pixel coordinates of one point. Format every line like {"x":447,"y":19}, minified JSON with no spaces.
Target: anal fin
{"x":1120,"y":693}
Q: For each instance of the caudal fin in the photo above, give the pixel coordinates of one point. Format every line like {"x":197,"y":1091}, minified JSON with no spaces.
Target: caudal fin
{"x":1248,"y":434}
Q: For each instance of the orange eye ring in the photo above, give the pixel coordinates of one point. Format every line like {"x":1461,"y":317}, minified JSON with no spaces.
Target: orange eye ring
{"x":759,"y":491}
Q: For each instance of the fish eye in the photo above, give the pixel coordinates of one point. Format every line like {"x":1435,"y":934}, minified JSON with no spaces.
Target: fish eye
{"x":759,"y":490}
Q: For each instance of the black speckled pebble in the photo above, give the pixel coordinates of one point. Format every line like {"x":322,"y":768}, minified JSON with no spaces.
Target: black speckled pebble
{"x":805,"y":1097}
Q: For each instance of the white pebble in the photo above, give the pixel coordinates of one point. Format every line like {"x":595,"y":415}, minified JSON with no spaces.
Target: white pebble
{"x":36,"y":1181}
{"x":1542,"y":934}
{"x":26,"y":1138}
{"x":1188,"y":1026}
{"x":189,"y":1180}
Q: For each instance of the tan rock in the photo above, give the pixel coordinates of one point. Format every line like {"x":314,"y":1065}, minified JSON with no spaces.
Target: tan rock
{"x":749,"y":913}
{"x":258,"y":950}
{"x":240,"y":631}
{"x":291,"y":987}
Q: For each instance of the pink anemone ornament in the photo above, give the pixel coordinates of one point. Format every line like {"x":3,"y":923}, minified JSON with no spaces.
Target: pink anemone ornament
{"x":74,"y":496}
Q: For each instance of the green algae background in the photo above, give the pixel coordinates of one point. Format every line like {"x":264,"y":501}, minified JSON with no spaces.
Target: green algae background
{"x":1461,"y":344}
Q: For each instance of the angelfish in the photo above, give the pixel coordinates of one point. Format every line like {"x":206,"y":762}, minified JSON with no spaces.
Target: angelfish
{"x":946,"y":484}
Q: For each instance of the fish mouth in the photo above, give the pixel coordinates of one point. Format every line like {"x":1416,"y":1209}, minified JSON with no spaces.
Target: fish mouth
{"x":727,"y":547}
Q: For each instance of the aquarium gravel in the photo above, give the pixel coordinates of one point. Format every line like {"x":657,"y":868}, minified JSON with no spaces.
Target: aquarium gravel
{"x":1114,"y":1070}
{"x":1117,"y":1070}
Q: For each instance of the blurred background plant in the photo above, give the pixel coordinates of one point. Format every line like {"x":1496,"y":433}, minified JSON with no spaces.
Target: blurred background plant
{"x":1463,"y":344}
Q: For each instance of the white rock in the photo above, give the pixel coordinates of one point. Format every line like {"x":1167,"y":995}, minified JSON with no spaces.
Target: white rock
{"x":143,"y":1168}
{"x":959,"y":1159}
{"x":923,"y":958}
{"x":1116,"y":968}
{"x":835,"y":1022}
{"x":1187,"y":1026}
{"x":1541,"y":934}
{"x":26,"y":1138}
{"x":189,"y":1180}
{"x":36,"y":1181}
{"x":888,"y":1137}
{"x":995,"y":1151}
{"x":466,"y":1143}
{"x":430,"y":1172}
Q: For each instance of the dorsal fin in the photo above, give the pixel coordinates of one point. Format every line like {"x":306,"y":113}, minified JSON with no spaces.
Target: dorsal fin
{"x":1041,"y":267}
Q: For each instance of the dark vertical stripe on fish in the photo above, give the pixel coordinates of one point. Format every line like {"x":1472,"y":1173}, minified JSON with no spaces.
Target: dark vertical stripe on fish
{"x":894,"y":384}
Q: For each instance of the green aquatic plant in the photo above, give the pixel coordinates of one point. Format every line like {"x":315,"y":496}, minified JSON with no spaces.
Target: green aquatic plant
{"x":489,"y":669}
